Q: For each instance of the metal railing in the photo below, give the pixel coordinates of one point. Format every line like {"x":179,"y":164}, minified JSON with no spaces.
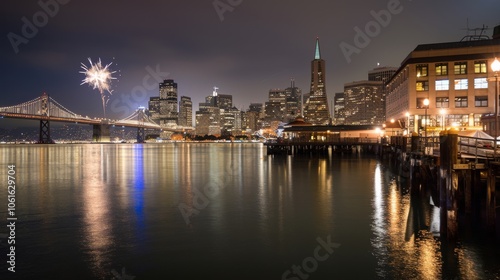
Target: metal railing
{"x":474,"y":147}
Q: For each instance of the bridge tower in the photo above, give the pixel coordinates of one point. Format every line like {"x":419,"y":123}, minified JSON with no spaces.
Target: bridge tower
{"x":44,"y":121}
{"x":100,"y":132}
{"x":141,"y":135}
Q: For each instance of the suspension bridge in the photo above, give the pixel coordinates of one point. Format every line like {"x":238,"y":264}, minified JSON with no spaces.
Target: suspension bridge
{"x":45,"y":109}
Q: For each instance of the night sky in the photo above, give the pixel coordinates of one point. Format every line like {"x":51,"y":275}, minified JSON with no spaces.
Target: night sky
{"x":243,"y":47}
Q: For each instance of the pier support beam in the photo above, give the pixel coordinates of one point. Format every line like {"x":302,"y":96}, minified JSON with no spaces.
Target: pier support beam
{"x":448,"y":184}
{"x":101,"y":133}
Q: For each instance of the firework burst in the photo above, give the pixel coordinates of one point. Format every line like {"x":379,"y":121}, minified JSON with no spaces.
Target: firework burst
{"x":99,"y":77}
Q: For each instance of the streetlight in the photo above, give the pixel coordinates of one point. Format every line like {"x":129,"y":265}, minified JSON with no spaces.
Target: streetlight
{"x":407,"y":123}
{"x":426,"y":106}
{"x":442,"y":112}
{"x":495,"y":66}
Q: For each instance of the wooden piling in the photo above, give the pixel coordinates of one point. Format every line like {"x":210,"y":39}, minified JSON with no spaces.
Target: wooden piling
{"x":490,"y":195}
{"x":414,"y":142}
{"x":448,"y":183}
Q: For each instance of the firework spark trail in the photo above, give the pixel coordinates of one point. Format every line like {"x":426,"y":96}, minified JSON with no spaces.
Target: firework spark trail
{"x":99,"y":77}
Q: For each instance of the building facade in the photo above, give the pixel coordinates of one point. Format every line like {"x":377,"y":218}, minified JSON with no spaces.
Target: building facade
{"x":455,"y":78}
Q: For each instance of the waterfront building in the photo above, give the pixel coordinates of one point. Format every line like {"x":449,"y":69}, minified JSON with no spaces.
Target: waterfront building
{"x":454,"y":78}
{"x":316,"y":107}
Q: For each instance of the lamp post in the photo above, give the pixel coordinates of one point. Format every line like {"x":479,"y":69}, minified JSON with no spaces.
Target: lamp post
{"x":407,"y":123}
{"x":426,"y":106}
{"x":495,"y":66}
{"x":442,"y":112}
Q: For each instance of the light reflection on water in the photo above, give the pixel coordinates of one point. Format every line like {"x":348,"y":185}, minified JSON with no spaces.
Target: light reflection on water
{"x":97,"y":208}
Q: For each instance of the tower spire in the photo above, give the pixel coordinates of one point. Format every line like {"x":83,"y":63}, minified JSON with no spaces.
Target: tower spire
{"x":317,"y":54}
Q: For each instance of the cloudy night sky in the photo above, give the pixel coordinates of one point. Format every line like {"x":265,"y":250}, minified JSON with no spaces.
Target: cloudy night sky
{"x":243,"y":47}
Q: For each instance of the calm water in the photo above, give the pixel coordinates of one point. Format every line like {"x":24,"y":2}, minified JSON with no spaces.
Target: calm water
{"x":221,"y":211}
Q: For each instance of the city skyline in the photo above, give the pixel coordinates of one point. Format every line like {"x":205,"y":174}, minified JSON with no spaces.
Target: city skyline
{"x":243,"y":56}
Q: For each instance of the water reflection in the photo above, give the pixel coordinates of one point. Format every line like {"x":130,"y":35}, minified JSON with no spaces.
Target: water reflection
{"x":98,"y":237}
{"x":406,"y":236}
{"x":118,"y":206}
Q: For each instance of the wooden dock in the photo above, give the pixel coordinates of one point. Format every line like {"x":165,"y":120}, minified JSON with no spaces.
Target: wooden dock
{"x":341,"y":145}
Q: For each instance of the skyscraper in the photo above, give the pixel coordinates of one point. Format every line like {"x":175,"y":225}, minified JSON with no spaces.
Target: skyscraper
{"x":163,"y":109}
{"x":364,"y":103}
{"x":185,"y":111}
{"x":293,"y":102}
{"x":316,"y":107}
{"x":339,"y":108}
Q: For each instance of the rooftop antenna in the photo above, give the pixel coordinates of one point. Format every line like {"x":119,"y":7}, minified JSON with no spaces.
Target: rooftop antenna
{"x":475,"y":34}
{"x":214,"y":93}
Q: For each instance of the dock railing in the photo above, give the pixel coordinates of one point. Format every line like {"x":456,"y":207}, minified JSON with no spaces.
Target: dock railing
{"x":468,"y":147}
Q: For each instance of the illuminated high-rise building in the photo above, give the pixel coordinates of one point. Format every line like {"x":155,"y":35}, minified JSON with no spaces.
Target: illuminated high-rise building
{"x":185,"y":111}
{"x":316,"y":107}
{"x":164,"y":110}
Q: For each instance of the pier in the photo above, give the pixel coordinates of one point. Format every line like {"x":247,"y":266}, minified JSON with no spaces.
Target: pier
{"x":459,"y":174}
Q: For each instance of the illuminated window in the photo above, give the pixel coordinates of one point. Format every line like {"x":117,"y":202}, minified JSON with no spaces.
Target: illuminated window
{"x":420,"y":103}
{"x":480,"y":83}
{"x":422,"y":70}
{"x":460,"y":68}
{"x":481,"y":101}
{"x":461,"y":84}
{"x":480,"y":67}
{"x":461,"y":102}
{"x":442,"y":102}
{"x":422,"y":86}
{"x":441,"y":69}
{"x":442,"y":84}
{"x":477,"y":119}
{"x":460,"y":120}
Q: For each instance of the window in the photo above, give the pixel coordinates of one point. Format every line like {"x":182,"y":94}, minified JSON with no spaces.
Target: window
{"x":441,"y":69}
{"x":420,"y":103}
{"x":422,"y":86}
{"x":442,"y":84}
{"x":442,"y":102}
{"x":461,"y":84}
{"x":480,"y":83}
{"x":460,"y":68}
{"x":477,"y":119}
{"x":481,"y":101}
{"x":422,"y":70}
{"x":480,"y":67}
{"x":461,"y":102}
{"x":460,"y":120}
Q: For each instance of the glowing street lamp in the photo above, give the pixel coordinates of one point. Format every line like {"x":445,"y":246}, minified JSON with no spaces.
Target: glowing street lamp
{"x":495,"y":66}
{"x":407,"y":122}
{"x":442,"y":112}
{"x":426,"y":106}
